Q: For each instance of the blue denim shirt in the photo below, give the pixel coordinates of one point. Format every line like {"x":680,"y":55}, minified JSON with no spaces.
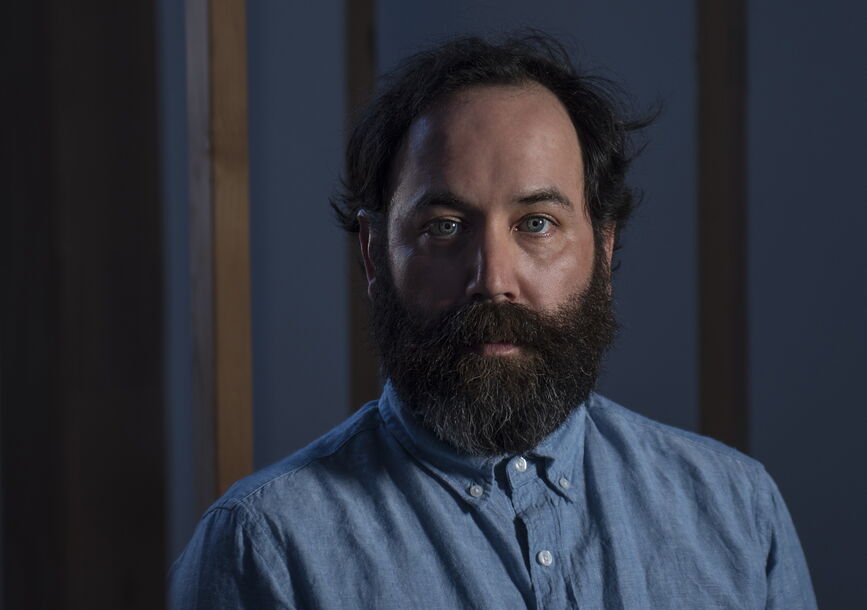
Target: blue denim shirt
{"x":611,"y":511}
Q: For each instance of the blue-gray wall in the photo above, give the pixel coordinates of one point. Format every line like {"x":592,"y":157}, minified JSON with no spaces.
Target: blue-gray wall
{"x":808,"y":277}
{"x":299,"y":275}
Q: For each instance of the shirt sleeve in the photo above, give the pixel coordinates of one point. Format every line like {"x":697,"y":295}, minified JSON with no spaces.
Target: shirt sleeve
{"x":229,"y":563}
{"x":788,"y":578}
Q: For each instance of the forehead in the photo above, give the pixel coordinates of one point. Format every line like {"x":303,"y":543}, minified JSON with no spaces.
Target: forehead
{"x":488,"y":141}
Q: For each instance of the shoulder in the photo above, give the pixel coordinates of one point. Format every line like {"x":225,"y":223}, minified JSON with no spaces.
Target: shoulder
{"x":240,"y":545}
{"x":656,"y":451}
{"x":683,"y":475}
{"x":615,"y":420}
{"x":341,"y":447}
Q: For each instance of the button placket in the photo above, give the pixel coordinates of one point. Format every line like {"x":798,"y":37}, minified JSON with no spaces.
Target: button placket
{"x":539,"y":512}
{"x":544,"y":572}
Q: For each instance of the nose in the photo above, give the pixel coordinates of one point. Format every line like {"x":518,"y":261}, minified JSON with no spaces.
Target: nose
{"x":493,"y":274}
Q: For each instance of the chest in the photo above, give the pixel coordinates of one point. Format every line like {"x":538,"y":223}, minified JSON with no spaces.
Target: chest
{"x":534,"y":549}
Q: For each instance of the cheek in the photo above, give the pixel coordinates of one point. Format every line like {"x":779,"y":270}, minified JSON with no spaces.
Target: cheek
{"x":555,"y":276}
{"x":424,"y":280}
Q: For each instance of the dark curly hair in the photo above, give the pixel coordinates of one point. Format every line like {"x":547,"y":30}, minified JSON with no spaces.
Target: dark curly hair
{"x":594,"y":104}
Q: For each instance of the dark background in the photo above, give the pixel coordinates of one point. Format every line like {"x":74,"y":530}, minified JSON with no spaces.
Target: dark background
{"x":804,"y":226}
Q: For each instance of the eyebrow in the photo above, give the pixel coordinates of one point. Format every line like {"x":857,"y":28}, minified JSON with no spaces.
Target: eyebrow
{"x":545,"y":195}
{"x":445,"y":199}
{"x":449,"y":199}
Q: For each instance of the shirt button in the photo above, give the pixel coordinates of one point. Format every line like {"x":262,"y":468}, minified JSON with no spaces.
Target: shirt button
{"x":545,"y":558}
{"x":564,"y":483}
{"x":520,"y":464}
{"x":476,"y":491}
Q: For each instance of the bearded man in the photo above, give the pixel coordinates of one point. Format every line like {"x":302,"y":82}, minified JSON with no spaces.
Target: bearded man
{"x":487,"y":186}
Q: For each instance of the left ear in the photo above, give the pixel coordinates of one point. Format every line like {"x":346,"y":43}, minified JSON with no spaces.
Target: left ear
{"x":608,"y":242}
{"x":365,"y":241}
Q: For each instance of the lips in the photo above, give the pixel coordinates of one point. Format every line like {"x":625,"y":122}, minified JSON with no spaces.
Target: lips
{"x":495,"y":349}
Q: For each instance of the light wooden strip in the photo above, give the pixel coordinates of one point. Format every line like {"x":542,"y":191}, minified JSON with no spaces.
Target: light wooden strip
{"x":231,"y":203}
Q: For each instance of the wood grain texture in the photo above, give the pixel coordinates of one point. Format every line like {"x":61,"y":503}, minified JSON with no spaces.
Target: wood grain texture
{"x":231,"y":213}
{"x":364,"y":383}
{"x":722,"y":218}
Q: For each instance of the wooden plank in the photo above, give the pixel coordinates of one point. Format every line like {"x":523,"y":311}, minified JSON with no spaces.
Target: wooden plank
{"x":364,"y":384}
{"x":219,"y":241}
{"x":231,"y":205}
{"x":722,"y":218}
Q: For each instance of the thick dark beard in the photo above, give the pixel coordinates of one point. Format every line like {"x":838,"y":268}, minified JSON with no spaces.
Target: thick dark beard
{"x":491,"y":405}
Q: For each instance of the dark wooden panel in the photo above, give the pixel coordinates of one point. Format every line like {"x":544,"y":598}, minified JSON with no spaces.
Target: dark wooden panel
{"x":360,"y":75}
{"x":81,"y":369}
{"x":722,"y":230}
{"x":31,"y":396}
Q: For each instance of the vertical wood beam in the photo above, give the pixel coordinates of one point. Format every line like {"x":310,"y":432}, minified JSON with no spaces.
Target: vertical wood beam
{"x":360,"y":60}
{"x":219,"y":241}
{"x":231,"y":200}
{"x":722,"y":218}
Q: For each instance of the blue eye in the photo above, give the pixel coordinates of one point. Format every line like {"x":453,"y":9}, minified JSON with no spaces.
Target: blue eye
{"x":444,"y":227}
{"x":535,"y":224}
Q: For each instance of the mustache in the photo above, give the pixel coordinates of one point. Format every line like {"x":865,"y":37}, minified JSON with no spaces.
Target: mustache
{"x":485,"y":322}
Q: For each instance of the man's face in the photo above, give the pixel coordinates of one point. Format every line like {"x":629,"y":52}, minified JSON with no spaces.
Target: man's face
{"x":491,"y":306}
{"x":488,"y":204}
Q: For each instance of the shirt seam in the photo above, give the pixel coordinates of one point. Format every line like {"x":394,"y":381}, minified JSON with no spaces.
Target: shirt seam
{"x":255,"y":524}
{"x":761,"y":525}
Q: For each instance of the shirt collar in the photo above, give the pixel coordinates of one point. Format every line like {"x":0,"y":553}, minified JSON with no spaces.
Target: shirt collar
{"x":472,"y":477}
{"x":562,"y":452}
